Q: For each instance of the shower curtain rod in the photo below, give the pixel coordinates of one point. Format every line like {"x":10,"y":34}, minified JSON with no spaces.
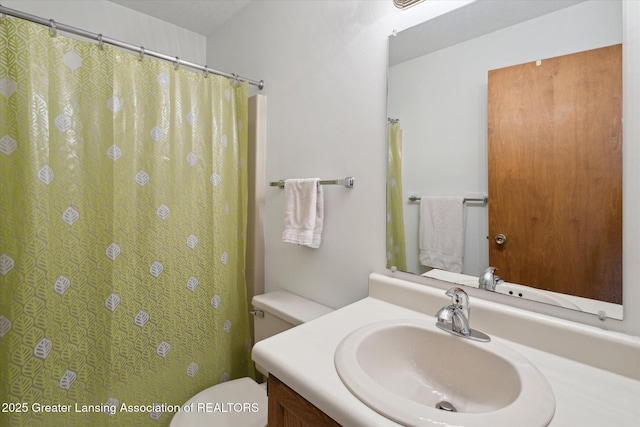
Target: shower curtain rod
{"x":54,"y":26}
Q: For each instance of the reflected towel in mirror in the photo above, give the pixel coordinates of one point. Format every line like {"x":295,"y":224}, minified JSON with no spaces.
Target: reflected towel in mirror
{"x":441,"y":232}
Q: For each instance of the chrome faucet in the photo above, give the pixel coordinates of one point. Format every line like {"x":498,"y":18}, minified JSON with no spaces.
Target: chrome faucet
{"x":457,"y":313}
{"x":454,"y":318}
{"x":489,"y":280}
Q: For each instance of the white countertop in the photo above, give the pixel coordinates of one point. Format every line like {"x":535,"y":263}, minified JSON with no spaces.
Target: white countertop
{"x":303,"y":359}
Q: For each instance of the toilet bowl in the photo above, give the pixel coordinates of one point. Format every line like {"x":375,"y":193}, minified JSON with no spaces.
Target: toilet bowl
{"x":243,"y":402}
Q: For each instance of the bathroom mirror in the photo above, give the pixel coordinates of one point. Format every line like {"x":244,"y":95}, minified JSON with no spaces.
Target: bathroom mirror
{"x":438,"y":97}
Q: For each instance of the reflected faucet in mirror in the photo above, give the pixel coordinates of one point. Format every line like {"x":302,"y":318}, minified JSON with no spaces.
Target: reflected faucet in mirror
{"x":489,"y":280}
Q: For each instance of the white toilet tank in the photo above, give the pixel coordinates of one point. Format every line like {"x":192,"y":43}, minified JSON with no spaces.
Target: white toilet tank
{"x":277,"y":311}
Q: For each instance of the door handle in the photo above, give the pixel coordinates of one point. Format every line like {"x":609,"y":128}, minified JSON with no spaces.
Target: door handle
{"x":501,"y":239}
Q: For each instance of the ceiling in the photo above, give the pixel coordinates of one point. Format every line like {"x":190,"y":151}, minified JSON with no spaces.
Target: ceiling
{"x":200,"y":16}
{"x":465,"y":23}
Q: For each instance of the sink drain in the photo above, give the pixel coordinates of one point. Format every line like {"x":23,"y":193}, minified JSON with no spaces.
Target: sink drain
{"x":446,"y":406}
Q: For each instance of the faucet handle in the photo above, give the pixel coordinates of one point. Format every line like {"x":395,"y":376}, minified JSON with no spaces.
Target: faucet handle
{"x":459,"y":297}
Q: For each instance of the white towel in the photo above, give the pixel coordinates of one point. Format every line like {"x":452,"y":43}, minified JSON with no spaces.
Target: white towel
{"x":303,"y":212}
{"x":441,"y":234}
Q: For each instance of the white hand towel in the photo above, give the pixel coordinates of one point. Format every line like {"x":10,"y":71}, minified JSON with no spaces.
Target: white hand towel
{"x":441,"y":234}
{"x":303,"y":212}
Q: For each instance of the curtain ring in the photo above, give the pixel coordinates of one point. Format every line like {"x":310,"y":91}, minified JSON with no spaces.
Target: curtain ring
{"x":141,"y":53}
{"x":235,"y":82}
{"x":177,"y":63}
{"x":206,"y":72}
{"x":100,"y":42}
{"x":53,"y":28}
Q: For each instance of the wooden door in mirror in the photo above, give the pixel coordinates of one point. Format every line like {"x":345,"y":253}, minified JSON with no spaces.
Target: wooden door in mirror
{"x":555,"y":173}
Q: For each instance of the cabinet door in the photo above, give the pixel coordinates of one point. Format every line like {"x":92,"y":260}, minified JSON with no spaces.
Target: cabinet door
{"x":288,"y":409}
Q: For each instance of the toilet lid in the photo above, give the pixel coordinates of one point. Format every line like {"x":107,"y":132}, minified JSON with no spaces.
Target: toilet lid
{"x":237,"y":403}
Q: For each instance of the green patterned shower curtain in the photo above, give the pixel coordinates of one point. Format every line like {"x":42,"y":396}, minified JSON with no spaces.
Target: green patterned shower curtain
{"x":396,"y":251}
{"x":123,"y":211}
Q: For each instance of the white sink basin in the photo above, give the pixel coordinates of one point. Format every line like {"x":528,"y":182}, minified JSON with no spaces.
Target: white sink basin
{"x":402,"y":369}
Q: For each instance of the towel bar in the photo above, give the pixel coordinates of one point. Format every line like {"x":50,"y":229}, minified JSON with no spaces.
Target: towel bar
{"x":484,"y":199}
{"x":348,"y":182}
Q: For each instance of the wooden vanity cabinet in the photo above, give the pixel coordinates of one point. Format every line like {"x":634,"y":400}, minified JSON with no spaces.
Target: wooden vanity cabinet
{"x":288,"y":409}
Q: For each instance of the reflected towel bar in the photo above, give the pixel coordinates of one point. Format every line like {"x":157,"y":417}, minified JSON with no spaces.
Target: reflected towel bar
{"x":484,"y":199}
{"x":348,"y":182}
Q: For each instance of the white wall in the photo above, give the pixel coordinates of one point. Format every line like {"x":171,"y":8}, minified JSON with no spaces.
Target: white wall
{"x":120,"y":23}
{"x":441,"y":101}
{"x":324,"y":64}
